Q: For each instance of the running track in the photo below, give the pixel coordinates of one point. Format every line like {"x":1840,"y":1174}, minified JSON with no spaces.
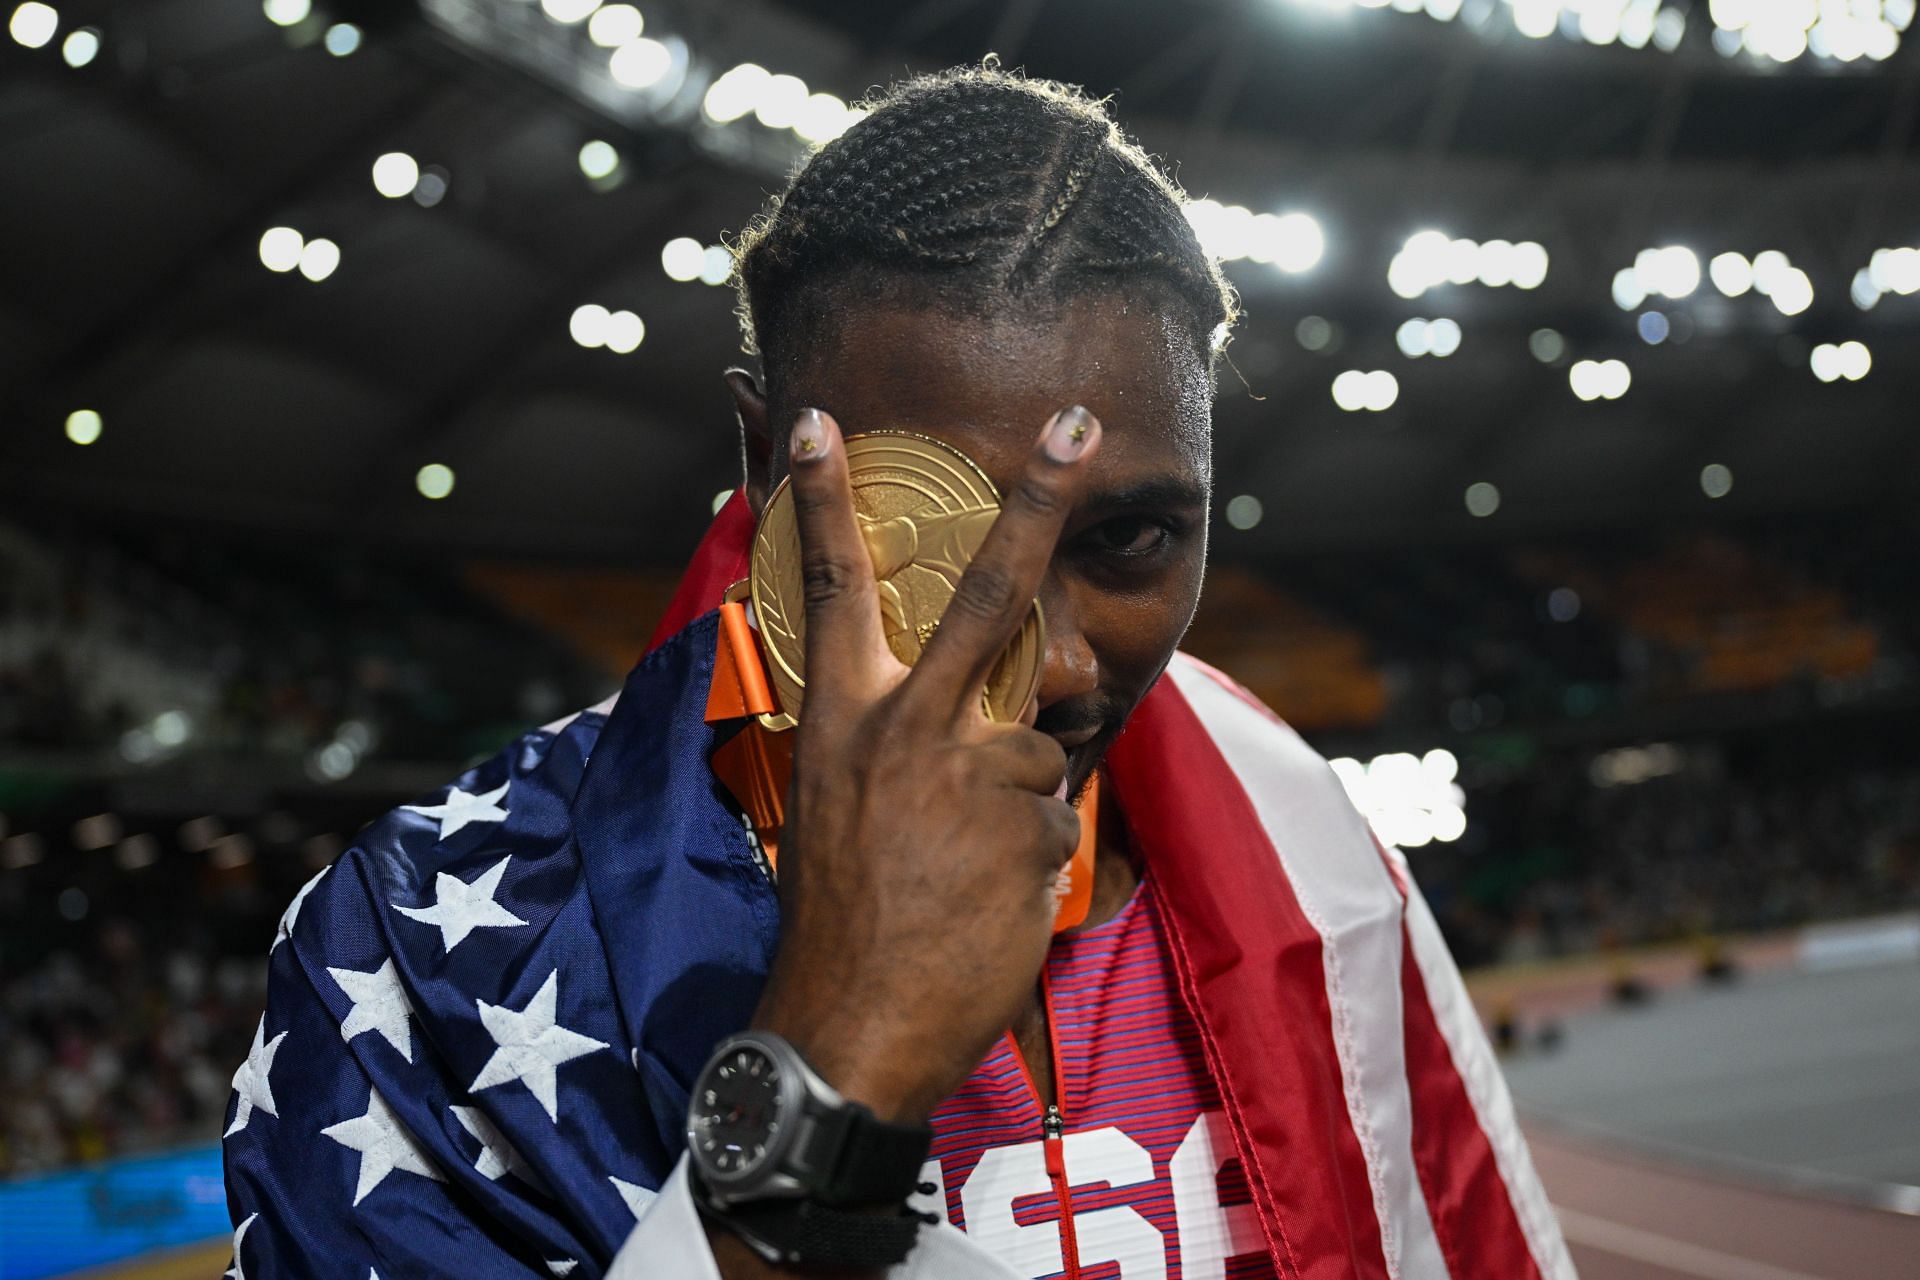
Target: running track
{"x":1629,"y":1219}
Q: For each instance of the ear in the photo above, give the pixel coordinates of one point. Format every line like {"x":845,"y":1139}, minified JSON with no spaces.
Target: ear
{"x":756,"y":436}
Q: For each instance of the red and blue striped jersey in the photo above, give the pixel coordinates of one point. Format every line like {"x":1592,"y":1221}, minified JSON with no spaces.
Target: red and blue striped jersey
{"x":1142,"y":1166}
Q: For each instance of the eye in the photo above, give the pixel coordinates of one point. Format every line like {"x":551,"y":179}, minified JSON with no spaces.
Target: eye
{"x":1128,"y":536}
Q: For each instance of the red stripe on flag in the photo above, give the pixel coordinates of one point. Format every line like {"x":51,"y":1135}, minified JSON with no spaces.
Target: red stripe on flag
{"x":1473,"y":1215}
{"x":1249,"y":965}
{"x":718,"y":562}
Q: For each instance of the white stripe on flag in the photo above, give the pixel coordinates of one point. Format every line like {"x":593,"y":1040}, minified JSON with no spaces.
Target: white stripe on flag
{"x":1486,"y":1088}
{"x":1327,"y":854}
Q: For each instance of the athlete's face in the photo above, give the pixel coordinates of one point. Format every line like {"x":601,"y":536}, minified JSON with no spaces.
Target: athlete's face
{"x":1126,"y":573}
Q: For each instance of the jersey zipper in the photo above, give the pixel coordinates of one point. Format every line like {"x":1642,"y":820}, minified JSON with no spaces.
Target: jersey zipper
{"x":1051,"y":1127}
{"x":1053,"y":1124}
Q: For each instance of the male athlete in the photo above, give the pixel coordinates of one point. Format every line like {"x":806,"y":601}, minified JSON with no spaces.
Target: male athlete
{"x":564,"y":1018}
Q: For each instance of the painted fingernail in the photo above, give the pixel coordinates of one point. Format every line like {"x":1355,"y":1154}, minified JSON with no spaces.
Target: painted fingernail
{"x":809,"y":440}
{"x":1069,"y":434}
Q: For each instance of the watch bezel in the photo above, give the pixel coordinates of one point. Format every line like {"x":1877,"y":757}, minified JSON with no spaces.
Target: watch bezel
{"x":767,"y":1175}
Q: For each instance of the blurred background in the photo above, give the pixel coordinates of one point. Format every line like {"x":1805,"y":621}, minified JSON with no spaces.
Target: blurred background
{"x":360,"y":400}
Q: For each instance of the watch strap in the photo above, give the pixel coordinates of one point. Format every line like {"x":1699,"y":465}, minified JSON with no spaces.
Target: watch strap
{"x":859,"y":1159}
{"x":807,"y":1234}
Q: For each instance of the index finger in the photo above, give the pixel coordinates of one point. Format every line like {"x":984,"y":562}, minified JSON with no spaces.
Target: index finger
{"x":997,"y":590}
{"x":843,"y":643}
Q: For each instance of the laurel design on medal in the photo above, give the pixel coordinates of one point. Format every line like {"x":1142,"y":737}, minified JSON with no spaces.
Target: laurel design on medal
{"x":924,"y":509}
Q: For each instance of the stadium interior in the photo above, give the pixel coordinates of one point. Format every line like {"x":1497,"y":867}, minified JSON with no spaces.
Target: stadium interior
{"x":360,"y":365}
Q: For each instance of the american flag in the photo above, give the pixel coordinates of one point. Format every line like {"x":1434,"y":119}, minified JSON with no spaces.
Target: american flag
{"x":483,"y":1021}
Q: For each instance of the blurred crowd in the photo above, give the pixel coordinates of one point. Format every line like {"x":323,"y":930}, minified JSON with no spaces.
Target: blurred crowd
{"x":120,"y":1046}
{"x":148,"y":646}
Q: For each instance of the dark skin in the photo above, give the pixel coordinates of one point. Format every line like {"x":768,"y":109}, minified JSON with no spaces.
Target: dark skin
{"x":922,"y":841}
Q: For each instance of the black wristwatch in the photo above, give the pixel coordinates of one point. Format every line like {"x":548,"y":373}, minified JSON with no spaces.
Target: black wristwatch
{"x":803,"y":1175}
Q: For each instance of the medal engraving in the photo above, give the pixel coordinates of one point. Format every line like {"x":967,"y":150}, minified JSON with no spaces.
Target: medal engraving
{"x":924,"y":509}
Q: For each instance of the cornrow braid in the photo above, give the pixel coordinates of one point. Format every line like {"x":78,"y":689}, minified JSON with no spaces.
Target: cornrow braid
{"x":985,"y":187}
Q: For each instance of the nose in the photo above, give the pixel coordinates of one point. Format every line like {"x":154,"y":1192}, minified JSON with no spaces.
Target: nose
{"x":1071,"y":668}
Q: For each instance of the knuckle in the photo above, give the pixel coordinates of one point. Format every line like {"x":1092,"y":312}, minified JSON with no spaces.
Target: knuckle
{"x":825,"y":580}
{"x":1038,"y":494}
{"x":987,"y":591}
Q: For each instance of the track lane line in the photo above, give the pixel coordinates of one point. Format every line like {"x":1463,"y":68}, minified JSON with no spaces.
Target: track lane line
{"x":1664,"y":1251}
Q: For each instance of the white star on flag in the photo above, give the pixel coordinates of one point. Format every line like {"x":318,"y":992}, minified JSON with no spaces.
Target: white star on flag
{"x":238,"y":1270}
{"x":562,"y":1266}
{"x":384,"y":1145}
{"x":531,"y":1045}
{"x":497,"y":1156}
{"x":462,"y":807}
{"x":636,"y":1196}
{"x":292,"y":912}
{"x":250,"y":1080}
{"x":459,"y":907}
{"x":379,"y":1004}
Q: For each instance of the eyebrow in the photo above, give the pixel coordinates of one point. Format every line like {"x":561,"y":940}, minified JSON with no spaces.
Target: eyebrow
{"x":1165,"y":492}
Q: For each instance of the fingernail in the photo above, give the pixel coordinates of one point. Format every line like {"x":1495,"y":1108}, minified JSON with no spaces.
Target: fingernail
{"x":809,"y":440}
{"x":1060,"y":792}
{"x":1069,"y":434}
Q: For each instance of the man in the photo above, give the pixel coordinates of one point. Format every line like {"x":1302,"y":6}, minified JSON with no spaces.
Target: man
{"x":493,"y":1025}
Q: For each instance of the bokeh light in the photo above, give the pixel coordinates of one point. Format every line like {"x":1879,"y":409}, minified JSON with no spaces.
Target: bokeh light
{"x":434,"y":481}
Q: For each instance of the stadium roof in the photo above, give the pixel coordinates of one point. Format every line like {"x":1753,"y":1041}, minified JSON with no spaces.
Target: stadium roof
{"x":135,"y":284}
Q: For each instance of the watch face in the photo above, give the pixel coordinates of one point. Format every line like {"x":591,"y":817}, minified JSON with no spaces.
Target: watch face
{"x":735,"y":1116}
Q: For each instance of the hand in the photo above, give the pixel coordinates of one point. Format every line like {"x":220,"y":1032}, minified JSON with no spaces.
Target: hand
{"x":922,"y":840}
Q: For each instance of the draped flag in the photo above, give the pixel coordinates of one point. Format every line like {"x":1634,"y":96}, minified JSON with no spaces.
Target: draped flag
{"x":483,"y":1021}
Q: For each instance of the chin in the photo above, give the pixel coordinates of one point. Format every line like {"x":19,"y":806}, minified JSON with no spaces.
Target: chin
{"x":1082,"y":762}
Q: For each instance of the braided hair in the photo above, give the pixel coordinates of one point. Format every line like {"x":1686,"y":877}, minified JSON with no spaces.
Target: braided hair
{"x":978,"y":188}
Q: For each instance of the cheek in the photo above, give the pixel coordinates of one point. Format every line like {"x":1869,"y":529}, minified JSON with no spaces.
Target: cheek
{"x":1133,"y":632}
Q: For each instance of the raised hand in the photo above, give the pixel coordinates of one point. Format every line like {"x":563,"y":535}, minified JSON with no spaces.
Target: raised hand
{"x":922,"y":840}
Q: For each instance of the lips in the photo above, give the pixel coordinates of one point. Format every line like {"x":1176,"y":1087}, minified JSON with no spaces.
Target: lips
{"x":1076,"y":737}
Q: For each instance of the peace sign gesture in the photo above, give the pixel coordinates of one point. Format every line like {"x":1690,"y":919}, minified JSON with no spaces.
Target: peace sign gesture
{"x":922,"y":840}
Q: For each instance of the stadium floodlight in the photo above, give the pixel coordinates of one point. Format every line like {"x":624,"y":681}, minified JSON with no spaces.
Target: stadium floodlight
{"x":1629,"y":291}
{"x":682,"y":258}
{"x":734,"y":93}
{"x":568,"y":12}
{"x":34,"y":24}
{"x":716,"y":264}
{"x":1716,"y":480}
{"x":1536,"y":19}
{"x":280,"y":248}
{"x":1293,"y":242}
{"x":1731,"y":273}
{"x":624,"y":332}
{"x":83,"y":426}
{"x":1374,"y":391}
{"x":1547,"y":346}
{"x":780,"y":101}
{"x":1599,"y":379}
{"x":588,"y":324}
{"x":640,"y":64}
{"x":1244,"y":511}
{"x":1671,"y":272}
{"x":434,"y":481}
{"x":613,"y":25}
{"x":1793,"y":292}
{"x":286,"y":13}
{"x":822,"y":118}
{"x":319,"y":258}
{"x":1411,"y":337}
{"x":1482,"y":498}
{"x":396,"y":174}
{"x":80,"y":47}
{"x":598,"y":159}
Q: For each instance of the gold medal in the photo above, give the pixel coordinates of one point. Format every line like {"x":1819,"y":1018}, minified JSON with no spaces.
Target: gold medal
{"x":924,"y":509}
